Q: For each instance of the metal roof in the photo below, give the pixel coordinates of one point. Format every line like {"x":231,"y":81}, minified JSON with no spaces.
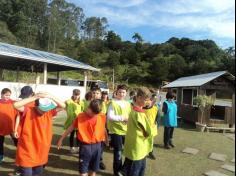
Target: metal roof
{"x":198,"y":80}
{"x":12,"y":56}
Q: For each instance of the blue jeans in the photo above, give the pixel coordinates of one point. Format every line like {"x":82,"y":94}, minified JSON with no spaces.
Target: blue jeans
{"x":26,"y":171}
{"x":117,"y":142}
{"x":134,"y":168}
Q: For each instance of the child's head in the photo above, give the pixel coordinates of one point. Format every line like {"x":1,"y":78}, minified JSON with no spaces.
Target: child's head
{"x":170,"y":95}
{"x":132,"y":94}
{"x":105,"y":96}
{"x":88,"y":96}
{"x":95,"y":107}
{"x":150,"y":102}
{"x":97,"y":93}
{"x":121,"y":92}
{"x":26,"y":92}
{"x":76,"y":94}
{"x":143,"y":97}
{"x":6,"y":94}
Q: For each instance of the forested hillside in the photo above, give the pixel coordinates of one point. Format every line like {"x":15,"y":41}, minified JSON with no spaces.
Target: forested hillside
{"x":61,"y":27}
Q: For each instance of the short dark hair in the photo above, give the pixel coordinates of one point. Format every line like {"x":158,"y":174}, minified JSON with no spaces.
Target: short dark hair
{"x":132,"y":93}
{"x":143,"y":92}
{"x":170,"y":95}
{"x":123,"y":87}
{"x":76,"y":92}
{"x":5,"y":90}
{"x":94,"y":89}
{"x":104,"y":93}
{"x":96,"y":106}
{"x":88,"y":96}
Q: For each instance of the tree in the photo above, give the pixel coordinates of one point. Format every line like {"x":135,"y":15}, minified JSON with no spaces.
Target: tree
{"x":137,"y":37}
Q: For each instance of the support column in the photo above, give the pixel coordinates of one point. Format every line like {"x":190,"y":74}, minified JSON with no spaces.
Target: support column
{"x":58,"y":78}
{"x":17,"y":73}
{"x":45,"y":73}
{"x":37,"y":79}
{"x":85,"y":80}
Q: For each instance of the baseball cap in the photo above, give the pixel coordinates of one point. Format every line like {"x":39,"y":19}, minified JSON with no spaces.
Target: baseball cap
{"x":46,"y":104}
{"x":26,"y":91}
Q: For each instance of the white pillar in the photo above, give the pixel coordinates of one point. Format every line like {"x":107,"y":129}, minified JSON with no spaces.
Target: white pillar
{"x":58,"y":78}
{"x":45,"y":72}
{"x":85,"y":80}
{"x":37,"y":79}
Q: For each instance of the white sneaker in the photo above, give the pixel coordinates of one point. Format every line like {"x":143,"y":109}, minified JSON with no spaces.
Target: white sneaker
{"x":73,"y":150}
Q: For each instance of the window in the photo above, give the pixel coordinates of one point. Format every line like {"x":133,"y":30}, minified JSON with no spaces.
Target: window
{"x":188,"y":96}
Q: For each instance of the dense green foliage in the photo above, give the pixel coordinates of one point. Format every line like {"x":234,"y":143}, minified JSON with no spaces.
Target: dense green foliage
{"x":62,"y":27}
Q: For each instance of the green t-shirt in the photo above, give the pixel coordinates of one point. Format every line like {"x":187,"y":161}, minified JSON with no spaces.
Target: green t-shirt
{"x":137,"y":147}
{"x":119,"y":128}
{"x":73,"y":109}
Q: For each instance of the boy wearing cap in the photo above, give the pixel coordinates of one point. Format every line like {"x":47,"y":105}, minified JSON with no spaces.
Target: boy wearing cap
{"x":36,"y":133}
{"x":91,"y":133}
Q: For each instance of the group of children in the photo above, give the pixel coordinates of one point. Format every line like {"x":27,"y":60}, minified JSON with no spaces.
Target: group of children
{"x":130,"y":125}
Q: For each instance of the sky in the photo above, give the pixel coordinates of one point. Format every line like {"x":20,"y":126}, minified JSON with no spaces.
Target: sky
{"x":159,"y":20}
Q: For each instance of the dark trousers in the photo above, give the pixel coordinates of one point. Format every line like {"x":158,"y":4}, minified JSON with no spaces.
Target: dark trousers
{"x":102,"y":149}
{"x":2,"y":138}
{"x":168,"y":135}
{"x":72,"y":138}
{"x":117,"y":142}
{"x":134,"y":168}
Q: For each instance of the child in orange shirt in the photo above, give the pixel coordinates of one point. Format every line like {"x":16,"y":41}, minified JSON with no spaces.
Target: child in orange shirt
{"x":91,"y":133}
{"x":7,"y":119}
{"x":36,"y":133}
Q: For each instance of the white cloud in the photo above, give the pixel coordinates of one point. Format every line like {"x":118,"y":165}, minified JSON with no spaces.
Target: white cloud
{"x":213,"y":17}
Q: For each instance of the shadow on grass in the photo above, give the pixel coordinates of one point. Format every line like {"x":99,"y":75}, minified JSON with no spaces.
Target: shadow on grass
{"x":159,"y":146}
{"x":104,"y":174}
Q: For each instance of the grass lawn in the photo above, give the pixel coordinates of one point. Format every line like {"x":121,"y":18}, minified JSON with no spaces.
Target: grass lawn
{"x":169,"y":162}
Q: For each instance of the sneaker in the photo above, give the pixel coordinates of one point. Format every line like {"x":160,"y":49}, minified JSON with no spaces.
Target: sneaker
{"x":167,"y":147}
{"x":172,"y":145}
{"x":73,"y":150}
{"x":1,"y":159}
{"x":14,"y":174}
{"x":102,"y":166}
{"x":151,"y":156}
{"x":120,"y":174}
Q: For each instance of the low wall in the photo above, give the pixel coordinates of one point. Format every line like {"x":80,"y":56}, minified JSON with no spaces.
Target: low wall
{"x":62,"y":92}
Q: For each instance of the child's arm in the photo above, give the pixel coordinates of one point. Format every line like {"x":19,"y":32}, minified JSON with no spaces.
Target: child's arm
{"x":20,"y":105}
{"x":16,"y":135}
{"x":106,"y":138}
{"x":68,"y":131}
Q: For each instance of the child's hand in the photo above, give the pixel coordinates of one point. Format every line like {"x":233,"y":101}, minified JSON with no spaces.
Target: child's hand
{"x":16,"y":135}
{"x":59,"y":144}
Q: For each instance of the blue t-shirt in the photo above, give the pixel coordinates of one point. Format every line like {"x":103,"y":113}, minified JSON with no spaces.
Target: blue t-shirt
{"x":170,"y":117}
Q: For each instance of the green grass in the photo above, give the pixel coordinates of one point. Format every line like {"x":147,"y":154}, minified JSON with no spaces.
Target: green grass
{"x":169,"y":163}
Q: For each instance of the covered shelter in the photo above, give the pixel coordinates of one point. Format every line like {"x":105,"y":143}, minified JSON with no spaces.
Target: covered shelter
{"x":218,"y":85}
{"x":18,"y":59}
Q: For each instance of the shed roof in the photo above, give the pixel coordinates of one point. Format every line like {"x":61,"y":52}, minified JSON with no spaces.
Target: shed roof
{"x":12,"y":56}
{"x":198,"y":80}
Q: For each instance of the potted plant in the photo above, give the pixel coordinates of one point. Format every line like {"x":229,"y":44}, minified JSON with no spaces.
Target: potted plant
{"x":203,"y":103}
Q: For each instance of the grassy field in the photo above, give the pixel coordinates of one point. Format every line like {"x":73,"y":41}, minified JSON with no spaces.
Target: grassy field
{"x":168,"y":163}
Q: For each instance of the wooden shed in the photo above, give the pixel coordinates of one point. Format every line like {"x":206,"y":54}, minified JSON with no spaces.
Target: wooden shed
{"x":219,"y":85}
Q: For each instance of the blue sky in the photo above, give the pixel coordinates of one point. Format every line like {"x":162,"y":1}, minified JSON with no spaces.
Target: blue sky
{"x":159,"y":20}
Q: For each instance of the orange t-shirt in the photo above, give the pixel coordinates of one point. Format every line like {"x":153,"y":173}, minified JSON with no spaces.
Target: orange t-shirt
{"x":7,"y":117}
{"x":35,"y":138}
{"x":91,"y":130}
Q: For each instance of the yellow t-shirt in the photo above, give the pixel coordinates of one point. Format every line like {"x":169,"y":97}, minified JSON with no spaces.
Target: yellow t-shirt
{"x":119,"y":128}
{"x":137,"y":146}
{"x":73,"y":109}
{"x":151,"y":115}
